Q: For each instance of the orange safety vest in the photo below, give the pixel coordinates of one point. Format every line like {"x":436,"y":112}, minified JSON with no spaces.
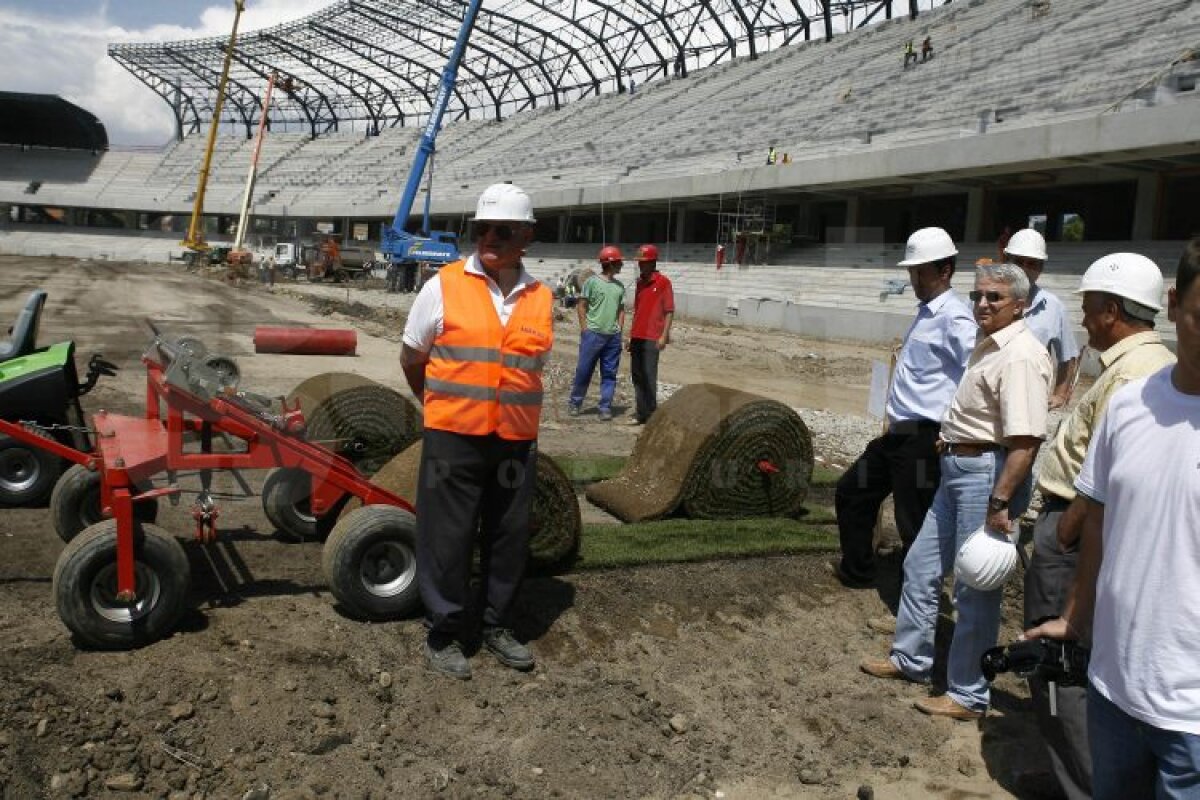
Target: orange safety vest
{"x":482,"y":377}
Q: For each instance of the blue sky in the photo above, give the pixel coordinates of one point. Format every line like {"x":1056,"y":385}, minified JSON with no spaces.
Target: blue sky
{"x":59,"y":47}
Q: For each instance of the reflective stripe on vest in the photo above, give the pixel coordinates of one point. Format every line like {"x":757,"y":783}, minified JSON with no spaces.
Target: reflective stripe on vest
{"x":473,"y":386}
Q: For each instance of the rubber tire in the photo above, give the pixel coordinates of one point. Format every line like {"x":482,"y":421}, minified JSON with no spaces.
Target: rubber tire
{"x":357,"y":540}
{"x":43,"y":466}
{"x":285,"y":497}
{"x":75,"y":503}
{"x":92,"y":555}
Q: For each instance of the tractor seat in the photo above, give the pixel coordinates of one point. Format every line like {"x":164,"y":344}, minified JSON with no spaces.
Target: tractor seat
{"x":22,"y":338}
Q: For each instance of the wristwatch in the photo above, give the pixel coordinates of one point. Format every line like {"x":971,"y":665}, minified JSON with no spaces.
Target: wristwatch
{"x":997,"y":504}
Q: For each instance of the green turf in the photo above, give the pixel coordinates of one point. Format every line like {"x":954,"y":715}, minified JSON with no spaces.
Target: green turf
{"x":680,"y":540}
{"x":589,"y":469}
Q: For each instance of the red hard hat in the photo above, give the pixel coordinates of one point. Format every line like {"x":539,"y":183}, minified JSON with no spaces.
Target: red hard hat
{"x":647,"y":252}
{"x":609,"y":254}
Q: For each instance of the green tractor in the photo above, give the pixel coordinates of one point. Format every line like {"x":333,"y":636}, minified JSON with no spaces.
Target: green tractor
{"x":40,"y":387}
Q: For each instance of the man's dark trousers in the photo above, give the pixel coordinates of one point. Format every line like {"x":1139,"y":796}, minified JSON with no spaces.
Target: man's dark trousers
{"x":643,"y":369}
{"x":1047,"y":585}
{"x":903,"y":463}
{"x":471,"y":484}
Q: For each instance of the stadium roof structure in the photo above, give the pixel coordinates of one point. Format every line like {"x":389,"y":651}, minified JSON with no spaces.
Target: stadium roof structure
{"x":47,"y":120}
{"x":373,"y":65}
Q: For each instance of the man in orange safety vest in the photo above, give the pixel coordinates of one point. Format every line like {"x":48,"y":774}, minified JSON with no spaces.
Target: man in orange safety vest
{"x":477,"y":337}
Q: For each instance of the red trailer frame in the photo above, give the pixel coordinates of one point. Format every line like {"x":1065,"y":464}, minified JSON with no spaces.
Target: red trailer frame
{"x":130,"y":451}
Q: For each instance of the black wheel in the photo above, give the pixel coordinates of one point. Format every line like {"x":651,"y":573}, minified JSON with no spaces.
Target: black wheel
{"x":75,"y":503}
{"x":285,"y":499}
{"x":370,"y":561}
{"x":27,"y":472}
{"x":340,"y":276}
{"x":85,"y":587}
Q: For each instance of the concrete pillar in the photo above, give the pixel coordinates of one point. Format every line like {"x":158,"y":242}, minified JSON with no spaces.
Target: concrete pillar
{"x":562,"y":228}
{"x":974,"y":226}
{"x":680,"y":212}
{"x":1145,"y":207}
{"x":614,"y":235}
{"x":853,"y":214}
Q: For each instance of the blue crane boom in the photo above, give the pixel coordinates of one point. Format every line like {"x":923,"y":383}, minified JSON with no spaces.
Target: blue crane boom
{"x":438,"y":247}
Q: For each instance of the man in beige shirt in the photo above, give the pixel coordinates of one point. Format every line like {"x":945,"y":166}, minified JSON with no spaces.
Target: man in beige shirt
{"x":990,"y":436}
{"x":1122,"y":293}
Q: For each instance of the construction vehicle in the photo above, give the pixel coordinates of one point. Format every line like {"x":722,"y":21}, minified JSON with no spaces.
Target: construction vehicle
{"x":428,"y":248}
{"x":40,"y":390}
{"x":193,"y":243}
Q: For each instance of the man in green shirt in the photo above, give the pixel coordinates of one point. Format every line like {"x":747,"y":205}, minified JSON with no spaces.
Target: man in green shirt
{"x":601,"y":309}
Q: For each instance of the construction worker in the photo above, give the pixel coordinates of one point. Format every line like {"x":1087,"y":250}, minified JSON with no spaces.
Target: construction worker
{"x":477,"y":337}
{"x":903,"y":462}
{"x":1122,"y":293}
{"x":650,"y":333}
{"x":989,"y":439}
{"x":1045,"y":314}
{"x":601,"y":311}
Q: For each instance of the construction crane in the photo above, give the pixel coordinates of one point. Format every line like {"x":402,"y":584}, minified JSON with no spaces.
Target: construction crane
{"x":194,"y":241}
{"x":431,"y":247}
{"x":237,"y":255}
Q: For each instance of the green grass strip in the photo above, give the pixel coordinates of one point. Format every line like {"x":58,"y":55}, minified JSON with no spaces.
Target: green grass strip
{"x":680,"y":540}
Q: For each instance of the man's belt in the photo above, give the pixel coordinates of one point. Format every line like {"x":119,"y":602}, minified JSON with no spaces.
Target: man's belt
{"x":968,"y":449}
{"x":1052,"y":502}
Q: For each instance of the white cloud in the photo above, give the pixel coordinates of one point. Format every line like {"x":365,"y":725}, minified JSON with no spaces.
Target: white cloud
{"x":70,"y":58}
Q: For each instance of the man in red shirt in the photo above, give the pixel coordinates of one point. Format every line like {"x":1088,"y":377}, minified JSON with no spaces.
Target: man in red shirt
{"x":653,"y":309}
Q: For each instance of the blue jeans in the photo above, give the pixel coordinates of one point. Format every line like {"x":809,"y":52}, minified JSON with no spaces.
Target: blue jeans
{"x":593,"y":347}
{"x":1133,"y":760}
{"x":959,"y":508}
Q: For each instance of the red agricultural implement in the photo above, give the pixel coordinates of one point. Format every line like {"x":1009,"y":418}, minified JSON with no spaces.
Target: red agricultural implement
{"x":123,"y":581}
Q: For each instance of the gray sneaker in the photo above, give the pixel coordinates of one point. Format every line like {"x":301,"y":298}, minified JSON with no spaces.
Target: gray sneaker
{"x":572,"y":409}
{"x":447,"y":659}
{"x":605,"y":414}
{"x":507,"y":650}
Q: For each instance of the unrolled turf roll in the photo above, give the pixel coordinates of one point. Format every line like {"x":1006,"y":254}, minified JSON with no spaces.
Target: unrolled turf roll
{"x":555,"y":522}
{"x":713,"y":452}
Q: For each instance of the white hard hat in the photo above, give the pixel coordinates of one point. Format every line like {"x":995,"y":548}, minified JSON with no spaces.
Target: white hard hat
{"x":1026,"y":243}
{"x":1127,"y":275}
{"x":986,"y":560}
{"x":504,"y":202}
{"x":926,"y":246}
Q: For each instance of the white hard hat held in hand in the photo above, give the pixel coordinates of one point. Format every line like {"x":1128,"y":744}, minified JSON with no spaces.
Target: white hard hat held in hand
{"x":926,"y":246}
{"x":986,"y":560}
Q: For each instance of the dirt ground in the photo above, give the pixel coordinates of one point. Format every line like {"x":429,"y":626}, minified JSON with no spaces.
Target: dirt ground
{"x":727,"y":679}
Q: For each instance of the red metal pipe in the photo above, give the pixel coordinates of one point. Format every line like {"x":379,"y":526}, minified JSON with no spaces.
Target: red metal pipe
{"x":305,"y":341}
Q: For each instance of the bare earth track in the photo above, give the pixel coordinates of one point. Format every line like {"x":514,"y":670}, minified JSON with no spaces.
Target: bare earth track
{"x":726,"y":679}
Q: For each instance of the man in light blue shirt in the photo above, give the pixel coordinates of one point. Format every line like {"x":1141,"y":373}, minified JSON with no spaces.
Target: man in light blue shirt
{"x":903,"y":461}
{"x":1045,"y":316}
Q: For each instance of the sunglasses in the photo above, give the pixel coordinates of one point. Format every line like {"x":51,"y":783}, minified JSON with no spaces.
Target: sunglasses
{"x":992,"y":297}
{"x":503,"y":232}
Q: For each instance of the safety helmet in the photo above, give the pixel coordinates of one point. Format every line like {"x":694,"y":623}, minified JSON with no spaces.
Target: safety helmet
{"x":986,"y":560}
{"x":926,"y":246}
{"x":1126,"y":275}
{"x":1026,"y":243}
{"x":610,"y":254}
{"x":504,"y":202}
{"x":647,"y":252}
